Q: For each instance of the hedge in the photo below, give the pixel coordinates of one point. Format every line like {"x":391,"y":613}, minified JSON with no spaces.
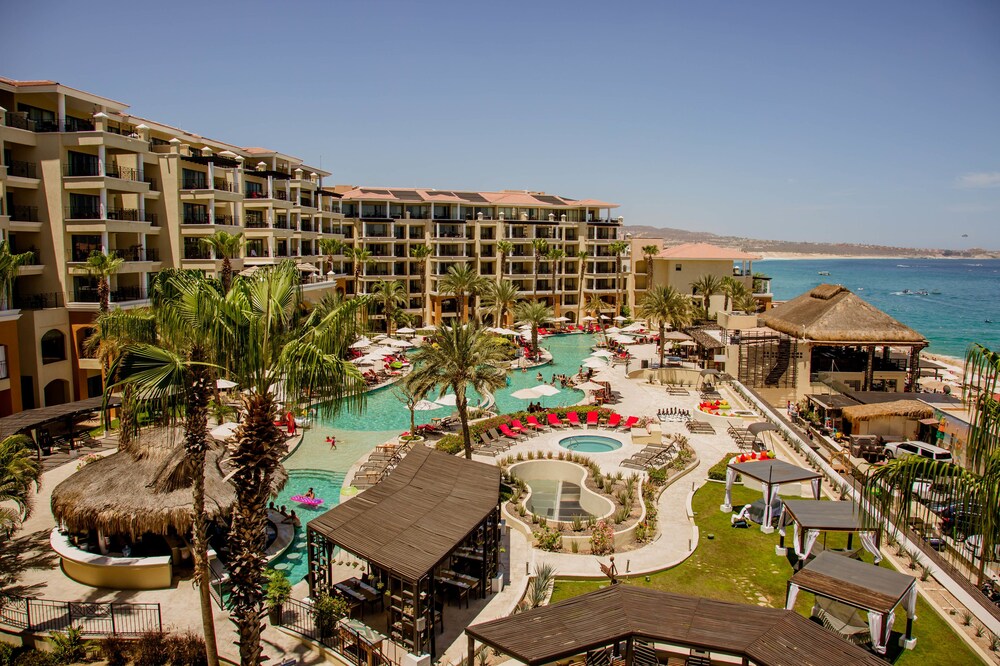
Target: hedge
{"x":717,"y":472}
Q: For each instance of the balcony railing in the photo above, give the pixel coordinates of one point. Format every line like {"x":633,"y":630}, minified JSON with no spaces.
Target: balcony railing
{"x":122,"y":173}
{"x":196,"y":218}
{"x":197,"y":252}
{"x":227,"y":220}
{"x":131,"y":254}
{"x":194,"y":184}
{"x":303,"y":201}
{"x":24,"y":213}
{"x":120,"y":295}
{"x":19,"y":120}
{"x":223,"y":185}
{"x":131,"y":215}
{"x":82,"y":169}
{"x":38,"y":301}
{"x":22,"y":169}
{"x":151,"y":182}
{"x":254,"y":222}
{"x":82,"y":213}
{"x":280,"y":224}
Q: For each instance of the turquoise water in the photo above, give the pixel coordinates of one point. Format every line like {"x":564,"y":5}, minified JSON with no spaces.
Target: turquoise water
{"x":326,"y":485}
{"x":962,"y":293}
{"x":555,"y":500}
{"x":590,"y":444}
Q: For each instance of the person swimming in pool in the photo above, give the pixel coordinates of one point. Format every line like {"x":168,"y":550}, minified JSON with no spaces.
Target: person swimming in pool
{"x":311,"y":494}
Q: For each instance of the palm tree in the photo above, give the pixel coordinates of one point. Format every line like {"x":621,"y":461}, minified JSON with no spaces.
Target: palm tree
{"x":541,"y":246}
{"x":410,"y":392}
{"x":555,"y":255}
{"x":462,"y":357}
{"x":536,"y":314}
{"x":582,"y":256}
{"x":271,"y":346}
{"x":9,"y":263}
{"x":977,"y":484}
{"x":420,"y":253}
{"x":463,"y":281}
{"x":665,"y":305}
{"x":648,"y":252}
{"x":707,"y":285}
{"x":595,"y":305}
{"x":730,"y":288}
{"x":360,"y":258}
{"x":102,"y":266}
{"x":20,"y":473}
{"x":227,"y":246}
{"x":331,"y":247}
{"x":501,"y":297}
{"x":618,"y":249}
{"x":504,"y":248}
{"x":392,"y":295}
{"x":744,"y":301}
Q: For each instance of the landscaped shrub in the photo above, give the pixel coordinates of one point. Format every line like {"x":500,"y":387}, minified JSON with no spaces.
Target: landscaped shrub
{"x":548,"y":538}
{"x":602,"y":538}
{"x":35,"y":658}
{"x":328,"y":610}
{"x":187,"y":649}
{"x":658,"y":476}
{"x":151,"y":649}
{"x":6,"y":654}
{"x":115,"y":649}
{"x":717,"y":472}
{"x":69,"y":647}
{"x":450,"y":444}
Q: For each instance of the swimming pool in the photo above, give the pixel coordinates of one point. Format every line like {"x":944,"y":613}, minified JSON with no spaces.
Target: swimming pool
{"x":556,"y":500}
{"x":294,"y":561}
{"x":557,"y":492}
{"x":590,"y":444}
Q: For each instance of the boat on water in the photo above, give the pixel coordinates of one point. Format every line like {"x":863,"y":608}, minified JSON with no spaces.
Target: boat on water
{"x":922,"y":292}
{"x":823,"y":273}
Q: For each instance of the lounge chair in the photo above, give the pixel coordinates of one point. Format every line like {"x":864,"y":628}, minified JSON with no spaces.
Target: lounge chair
{"x":517,"y":426}
{"x":573,"y":419}
{"x":614,"y":420}
{"x":508,"y":433}
{"x":554,"y":421}
{"x":629,"y":422}
{"x":592,"y":418}
{"x":533,"y":422}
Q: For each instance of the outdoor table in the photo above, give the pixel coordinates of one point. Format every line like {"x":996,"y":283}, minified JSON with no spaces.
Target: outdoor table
{"x":370,"y":594}
{"x":351,"y":595}
{"x":461,"y":589}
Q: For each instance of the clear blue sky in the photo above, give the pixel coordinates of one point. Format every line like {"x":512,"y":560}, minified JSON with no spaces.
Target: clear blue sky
{"x":851,"y":120}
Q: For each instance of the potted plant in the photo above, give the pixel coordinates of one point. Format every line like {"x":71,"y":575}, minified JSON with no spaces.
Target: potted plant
{"x":328,"y":610}
{"x":279,"y":589}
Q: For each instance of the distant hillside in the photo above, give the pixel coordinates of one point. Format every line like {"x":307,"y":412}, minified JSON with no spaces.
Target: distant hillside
{"x":777,"y":247}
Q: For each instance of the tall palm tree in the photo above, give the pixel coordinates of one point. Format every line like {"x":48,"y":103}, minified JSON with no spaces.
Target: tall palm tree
{"x":103,"y":266}
{"x":707,"y":286}
{"x":271,"y":347}
{"x":504,"y":248}
{"x":501,"y":297}
{"x":541,"y":247}
{"x":420,"y":253}
{"x":595,"y":305}
{"x":665,"y":305}
{"x":410,"y":392}
{"x":179,"y":372}
{"x":462,"y":357}
{"x":463,"y":282}
{"x":331,"y":247}
{"x":534,"y":313}
{"x":9,"y":263}
{"x":227,"y":247}
{"x":977,"y":484}
{"x":582,"y":256}
{"x":20,"y":473}
{"x":360,"y":258}
{"x":648,"y":252}
{"x":618,"y":250}
{"x":391,"y":294}
{"x":555,"y":255}
{"x":730,"y":288}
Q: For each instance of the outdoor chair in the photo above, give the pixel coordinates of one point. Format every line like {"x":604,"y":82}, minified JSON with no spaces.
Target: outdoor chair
{"x":614,"y":420}
{"x":629,"y":422}
{"x":573,"y":419}
{"x":533,"y":422}
{"x":592,"y":418}
{"x":554,"y":421}
{"x":521,"y":428}
{"x":507,"y":432}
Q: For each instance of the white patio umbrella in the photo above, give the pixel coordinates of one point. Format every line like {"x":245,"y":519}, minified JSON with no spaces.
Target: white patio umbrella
{"x":634,"y":327}
{"x":384,"y":350}
{"x":447,"y":400}
{"x":364,"y":360}
{"x":224,"y":384}
{"x":504,"y":331}
{"x":401,"y":344}
{"x":545,"y":389}
{"x":620,"y":318}
{"x":406,"y":330}
{"x":589,"y":386}
{"x":380,"y":337}
{"x":605,"y":318}
{"x":361,"y":343}
{"x":613,"y":329}
{"x":224,"y":431}
{"x":624,"y":339}
{"x":526,"y":394}
{"x":602,"y":353}
{"x":560,"y":319}
{"x":588,"y":318}
{"x":687,"y":343}
{"x":594,"y":363}
{"x":425,"y":406}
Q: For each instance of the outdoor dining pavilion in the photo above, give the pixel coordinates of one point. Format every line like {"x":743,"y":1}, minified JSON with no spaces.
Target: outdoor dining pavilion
{"x":631,"y":625}
{"x":856,"y":585}
{"x":771,"y":474}
{"x":811,"y":517}
{"x":430,"y":528}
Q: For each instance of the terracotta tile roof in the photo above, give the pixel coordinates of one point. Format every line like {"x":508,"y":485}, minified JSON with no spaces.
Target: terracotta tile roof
{"x":704,"y":251}
{"x":501,"y":198}
{"x":20,"y":84}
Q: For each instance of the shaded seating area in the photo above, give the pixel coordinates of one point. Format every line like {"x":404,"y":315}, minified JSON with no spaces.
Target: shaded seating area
{"x":630,"y":625}
{"x":875,"y":590}
{"x":430,"y":532}
{"x":56,"y":426}
{"x":811,"y":517}
{"x":771,"y":474}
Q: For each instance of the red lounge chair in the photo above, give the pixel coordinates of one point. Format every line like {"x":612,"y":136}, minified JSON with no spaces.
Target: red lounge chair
{"x":508,"y":432}
{"x":629,"y":422}
{"x":520,"y":427}
{"x":614,"y":420}
{"x":592,"y":419}
{"x":533,"y":422}
{"x":554,"y":421}
{"x":573,"y":419}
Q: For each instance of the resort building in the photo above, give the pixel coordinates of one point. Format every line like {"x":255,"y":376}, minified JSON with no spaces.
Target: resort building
{"x":79,"y":173}
{"x":681,"y":266}
{"x":472,"y":228}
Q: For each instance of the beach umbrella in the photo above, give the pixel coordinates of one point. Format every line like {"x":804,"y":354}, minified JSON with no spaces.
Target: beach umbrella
{"x":687,"y":343}
{"x":363,"y":360}
{"x":559,"y":319}
{"x":545,"y":389}
{"x":623,"y":339}
{"x":447,"y":400}
{"x":380,"y":337}
{"x":307,"y":268}
{"x":620,"y":318}
{"x":605,"y":318}
{"x":589,"y":318}
{"x":634,"y":327}
{"x":526,"y":394}
{"x":612,"y":329}
{"x":384,"y":350}
{"x":594,"y":363}
{"x":589,"y":386}
{"x":602,"y":353}
{"x":676,"y":335}
{"x":361,"y":343}
{"x":406,"y":330}
{"x":224,"y":384}
{"x":425,"y":406}
{"x":224,"y":431}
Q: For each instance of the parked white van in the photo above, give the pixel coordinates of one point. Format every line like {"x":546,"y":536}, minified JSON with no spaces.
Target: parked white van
{"x":906,"y":449}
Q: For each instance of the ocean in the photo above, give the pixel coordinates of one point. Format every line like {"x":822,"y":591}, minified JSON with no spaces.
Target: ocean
{"x":961,"y":305}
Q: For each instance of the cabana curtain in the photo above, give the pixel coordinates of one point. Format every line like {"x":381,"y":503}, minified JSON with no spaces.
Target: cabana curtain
{"x":870,"y":541}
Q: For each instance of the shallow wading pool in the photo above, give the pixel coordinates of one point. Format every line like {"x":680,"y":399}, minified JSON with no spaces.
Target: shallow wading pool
{"x":590,"y":444}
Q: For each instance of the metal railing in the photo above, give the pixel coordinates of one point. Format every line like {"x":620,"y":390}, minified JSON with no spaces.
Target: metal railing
{"x":120,"y":295}
{"x":196,"y":219}
{"x":122,"y":173}
{"x":197,"y":253}
{"x":151,"y":182}
{"x":223,"y":185}
{"x":82,"y":213}
{"x":82,"y":169}
{"x":93,"y":618}
{"x":254,"y":222}
{"x":38,"y":301}
{"x":22,"y":169}
{"x":24,"y":213}
{"x":194,"y":184}
{"x":227,"y":220}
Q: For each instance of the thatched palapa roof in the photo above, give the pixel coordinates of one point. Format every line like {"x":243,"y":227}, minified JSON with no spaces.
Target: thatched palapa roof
{"x":146,"y":488}
{"x":831,"y":313}
{"x":913,"y":409}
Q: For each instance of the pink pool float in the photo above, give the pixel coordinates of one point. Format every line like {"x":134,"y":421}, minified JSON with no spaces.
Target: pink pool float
{"x":306,"y":500}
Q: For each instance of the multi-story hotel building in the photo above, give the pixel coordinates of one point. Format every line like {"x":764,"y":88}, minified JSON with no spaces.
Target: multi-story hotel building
{"x":79,"y":173}
{"x":467,"y":228}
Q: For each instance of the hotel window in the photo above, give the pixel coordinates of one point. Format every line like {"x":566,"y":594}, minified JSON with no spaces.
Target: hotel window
{"x":194,"y":180}
{"x":677,"y":267}
{"x":53,"y":347}
{"x":4,"y":370}
{"x":82,"y":164}
{"x":84,"y":245}
{"x":195,"y":214}
{"x":254,"y":190}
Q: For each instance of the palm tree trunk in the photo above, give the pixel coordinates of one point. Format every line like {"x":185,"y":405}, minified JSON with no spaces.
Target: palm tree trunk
{"x":534,"y":284}
{"x":259,"y":447}
{"x":663,"y":331}
{"x":423,"y":293}
{"x":227,"y":274}
{"x":104,"y":293}
{"x":579,"y":298}
{"x":463,"y":415}
{"x":618,"y":285}
{"x":195,"y":442}
{"x":534,"y":338}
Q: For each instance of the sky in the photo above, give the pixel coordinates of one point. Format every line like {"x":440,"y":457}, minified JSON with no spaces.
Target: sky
{"x":847,"y":121}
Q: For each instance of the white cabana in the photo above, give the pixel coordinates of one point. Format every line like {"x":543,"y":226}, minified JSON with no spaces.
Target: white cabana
{"x":770,"y":474}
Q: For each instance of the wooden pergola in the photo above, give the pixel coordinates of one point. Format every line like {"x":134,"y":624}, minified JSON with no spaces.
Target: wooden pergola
{"x":431,"y":509}
{"x":634,"y":624}
{"x":771,"y":474}
{"x":811,"y":517}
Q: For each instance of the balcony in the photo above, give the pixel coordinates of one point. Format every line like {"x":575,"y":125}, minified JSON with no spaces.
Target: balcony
{"x":223,"y":185}
{"x":254,"y":222}
{"x":194,"y":184}
{"x":197,"y":252}
{"x":120,"y":295}
{"x":38,"y":301}
{"x":151,"y":182}
{"x":196,"y":218}
{"x":122,"y":173}
{"x":22,"y":169}
{"x":134,"y":254}
{"x":24,"y":213}
{"x":131,"y":215}
{"x":225,"y":220}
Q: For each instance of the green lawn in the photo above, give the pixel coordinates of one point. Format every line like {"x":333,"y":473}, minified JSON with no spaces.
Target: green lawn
{"x":740,"y":566}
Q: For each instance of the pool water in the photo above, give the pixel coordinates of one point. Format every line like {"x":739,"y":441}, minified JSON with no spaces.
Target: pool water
{"x":590,"y":444}
{"x":556,"y":500}
{"x":326,"y":485}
